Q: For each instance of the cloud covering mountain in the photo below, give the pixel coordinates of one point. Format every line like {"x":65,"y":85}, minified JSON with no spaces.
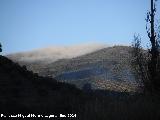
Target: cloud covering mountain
{"x":96,"y":64}
{"x":53,"y":53}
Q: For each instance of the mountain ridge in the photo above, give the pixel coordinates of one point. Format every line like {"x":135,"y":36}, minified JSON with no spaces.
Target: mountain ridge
{"x":113,"y":62}
{"x":54,"y":53}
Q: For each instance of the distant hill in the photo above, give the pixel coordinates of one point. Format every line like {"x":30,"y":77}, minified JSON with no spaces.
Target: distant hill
{"x":107,"y":68}
{"x":53,"y":53}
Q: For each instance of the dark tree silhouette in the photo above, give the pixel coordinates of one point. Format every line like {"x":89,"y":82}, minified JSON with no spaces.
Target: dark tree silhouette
{"x":0,"y":47}
{"x":147,"y":62}
{"x":153,"y":63}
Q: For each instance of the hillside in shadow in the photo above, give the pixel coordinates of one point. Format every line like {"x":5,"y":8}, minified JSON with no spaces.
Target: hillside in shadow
{"x":23,"y":91}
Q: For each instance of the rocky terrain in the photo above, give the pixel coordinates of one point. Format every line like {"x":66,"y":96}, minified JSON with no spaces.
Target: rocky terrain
{"x":106,"y":68}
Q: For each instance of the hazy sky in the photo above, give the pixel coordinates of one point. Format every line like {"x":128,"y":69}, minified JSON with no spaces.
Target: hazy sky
{"x":29,"y":24}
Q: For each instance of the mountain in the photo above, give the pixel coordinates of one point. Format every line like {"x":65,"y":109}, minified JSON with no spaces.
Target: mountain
{"x":106,"y":68}
{"x":54,"y":53}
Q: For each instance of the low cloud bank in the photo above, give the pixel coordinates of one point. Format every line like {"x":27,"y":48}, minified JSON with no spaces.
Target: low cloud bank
{"x":53,"y":53}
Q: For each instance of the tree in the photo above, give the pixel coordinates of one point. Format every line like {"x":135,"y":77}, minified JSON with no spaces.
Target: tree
{"x":148,"y":63}
{"x":0,"y":47}
{"x":153,"y":63}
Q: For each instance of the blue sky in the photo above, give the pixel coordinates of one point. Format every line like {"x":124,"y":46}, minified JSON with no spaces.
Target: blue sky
{"x":30,"y":24}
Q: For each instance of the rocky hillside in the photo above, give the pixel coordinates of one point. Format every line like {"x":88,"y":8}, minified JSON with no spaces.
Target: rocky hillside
{"x":107,"y":68}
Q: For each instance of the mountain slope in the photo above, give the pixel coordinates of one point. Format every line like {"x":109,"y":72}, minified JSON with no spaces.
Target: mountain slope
{"x":110,"y":66}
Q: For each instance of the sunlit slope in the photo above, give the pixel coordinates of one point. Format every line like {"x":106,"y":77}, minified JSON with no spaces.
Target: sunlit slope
{"x":109,"y":68}
{"x":103,"y":69}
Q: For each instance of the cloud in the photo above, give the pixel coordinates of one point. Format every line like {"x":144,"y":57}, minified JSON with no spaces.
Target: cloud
{"x":53,"y":53}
